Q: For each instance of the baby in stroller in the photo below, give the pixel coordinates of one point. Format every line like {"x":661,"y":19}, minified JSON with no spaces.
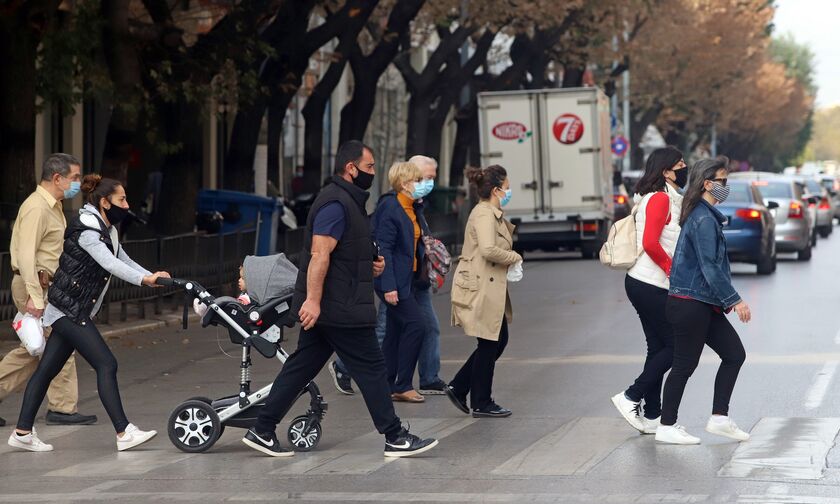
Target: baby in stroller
{"x":254,"y":320}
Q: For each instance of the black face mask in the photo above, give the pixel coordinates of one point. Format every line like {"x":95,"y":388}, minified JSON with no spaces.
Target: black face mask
{"x":682,"y":177}
{"x":116,"y":214}
{"x":363,"y":180}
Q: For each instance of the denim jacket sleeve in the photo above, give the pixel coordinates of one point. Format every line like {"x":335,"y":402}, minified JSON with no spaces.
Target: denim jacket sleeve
{"x":705,"y":245}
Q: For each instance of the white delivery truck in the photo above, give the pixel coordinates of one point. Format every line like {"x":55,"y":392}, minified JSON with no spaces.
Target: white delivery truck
{"x":555,"y":146}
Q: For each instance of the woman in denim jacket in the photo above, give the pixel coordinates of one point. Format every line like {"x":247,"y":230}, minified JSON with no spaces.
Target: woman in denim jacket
{"x":700,"y":295}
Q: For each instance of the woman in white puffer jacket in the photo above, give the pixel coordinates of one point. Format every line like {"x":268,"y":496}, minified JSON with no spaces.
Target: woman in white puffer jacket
{"x":659,"y":198}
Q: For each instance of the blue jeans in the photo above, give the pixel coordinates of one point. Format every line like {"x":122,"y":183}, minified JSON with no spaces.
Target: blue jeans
{"x":429,"y":362}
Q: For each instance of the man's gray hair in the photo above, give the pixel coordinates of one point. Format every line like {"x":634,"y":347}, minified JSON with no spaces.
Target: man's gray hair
{"x":420,"y":161}
{"x":59,"y":163}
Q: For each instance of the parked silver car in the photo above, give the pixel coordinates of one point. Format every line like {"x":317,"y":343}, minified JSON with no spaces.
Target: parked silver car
{"x":820,"y":200}
{"x":832,"y":185}
{"x":795,"y":227}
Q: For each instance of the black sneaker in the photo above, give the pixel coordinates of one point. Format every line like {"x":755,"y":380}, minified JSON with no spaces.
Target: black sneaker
{"x":459,"y":402}
{"x":407,"y":445}
{"x":341,"y":380}
{"x":56,"y":418}
{"x":266,"y":443}
{"x":493,"y":410}
{"x":2,"y":422}
{"x":437,"y":387}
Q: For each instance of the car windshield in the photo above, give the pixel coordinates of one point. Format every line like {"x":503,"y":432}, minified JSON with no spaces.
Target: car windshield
{"x":775,"y":189}
{"x":741,"y":193}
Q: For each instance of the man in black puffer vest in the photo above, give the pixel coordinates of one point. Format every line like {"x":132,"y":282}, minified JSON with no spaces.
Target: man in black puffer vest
{"x":334,"y":303}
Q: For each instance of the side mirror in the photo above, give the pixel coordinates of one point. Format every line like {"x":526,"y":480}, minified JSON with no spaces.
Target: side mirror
{"x":772,"y":205}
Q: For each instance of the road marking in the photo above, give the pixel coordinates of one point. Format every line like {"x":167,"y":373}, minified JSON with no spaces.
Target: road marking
{"x":573,"y":449}
{"x":121,"y":464}
{"x":784,"y":448}
{"x":363,"y":454}
{"x":816,"y":393}
{"x":637,"y":498}
{"x":706,"y":359}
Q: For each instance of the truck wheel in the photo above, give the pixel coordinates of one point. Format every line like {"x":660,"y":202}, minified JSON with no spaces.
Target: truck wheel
{"x":590,"y":249}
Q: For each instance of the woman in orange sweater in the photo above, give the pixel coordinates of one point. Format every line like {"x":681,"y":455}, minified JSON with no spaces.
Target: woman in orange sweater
{"x":397,"y":232}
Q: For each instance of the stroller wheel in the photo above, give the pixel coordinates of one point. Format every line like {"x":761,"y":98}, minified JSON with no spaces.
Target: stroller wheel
{"x":201,"y":398}
{"x":303,"y":439}
{"x":194,"y":426}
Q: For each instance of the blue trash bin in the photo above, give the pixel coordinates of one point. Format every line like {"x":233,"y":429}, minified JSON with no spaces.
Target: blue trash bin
{"x":245,"y":212}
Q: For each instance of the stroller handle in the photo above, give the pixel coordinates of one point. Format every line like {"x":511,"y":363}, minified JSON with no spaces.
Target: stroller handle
{"x":173,"y":282}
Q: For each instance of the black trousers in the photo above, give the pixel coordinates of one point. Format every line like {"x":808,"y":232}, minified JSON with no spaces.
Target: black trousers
{"x":359,"y":350}
{"x":405,"y":329}
{"x":697,"y":324}
{"x":650,"y":303}
{"x":476,"y":375}
{"x":66,"y":337}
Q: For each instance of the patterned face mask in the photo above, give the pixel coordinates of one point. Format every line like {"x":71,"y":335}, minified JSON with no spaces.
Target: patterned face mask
{"x":719,"y":191}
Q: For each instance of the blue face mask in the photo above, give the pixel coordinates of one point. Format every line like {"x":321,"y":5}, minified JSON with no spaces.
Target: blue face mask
{"x":506,"y":199}
{"x":74,"y":189}
{"x":425,"y":187}
{"x":417,"y":193}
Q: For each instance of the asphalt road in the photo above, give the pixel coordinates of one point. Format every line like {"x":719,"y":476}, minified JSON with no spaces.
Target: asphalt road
{"x":575,"y":342}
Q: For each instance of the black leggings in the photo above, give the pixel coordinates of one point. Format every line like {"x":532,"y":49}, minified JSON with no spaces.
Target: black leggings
{"x":697,"y":324}
{"x":66,"y":337}
{"x":649,"y":302}
{"x":476,"y":375}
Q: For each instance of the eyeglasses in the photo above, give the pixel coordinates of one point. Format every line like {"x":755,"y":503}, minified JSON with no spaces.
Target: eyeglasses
{"x":722,"y":180}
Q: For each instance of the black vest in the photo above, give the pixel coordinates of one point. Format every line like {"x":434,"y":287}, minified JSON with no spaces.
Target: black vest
{"x":348,"y":288}
{"x":79,"y":280}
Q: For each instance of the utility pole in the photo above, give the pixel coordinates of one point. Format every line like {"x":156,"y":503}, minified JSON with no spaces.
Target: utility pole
{"x":714,"y":139}
{"x":625,"y":92}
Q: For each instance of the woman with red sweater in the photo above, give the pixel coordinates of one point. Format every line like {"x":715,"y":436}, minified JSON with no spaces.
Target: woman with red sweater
{"x":659,"y":199}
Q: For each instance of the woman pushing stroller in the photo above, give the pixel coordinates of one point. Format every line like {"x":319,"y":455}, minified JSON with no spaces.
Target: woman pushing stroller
{"x":92,"y":255}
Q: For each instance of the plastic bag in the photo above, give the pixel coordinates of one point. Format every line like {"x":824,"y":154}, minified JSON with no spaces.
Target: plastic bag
{"x":30,"y":331}
{"x":515,"y":272}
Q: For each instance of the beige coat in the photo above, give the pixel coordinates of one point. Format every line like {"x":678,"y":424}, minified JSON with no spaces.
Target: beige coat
{"x":479,"y":290}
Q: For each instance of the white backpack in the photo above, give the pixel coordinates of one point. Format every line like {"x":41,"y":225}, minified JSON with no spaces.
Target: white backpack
{"x":621,"y":251}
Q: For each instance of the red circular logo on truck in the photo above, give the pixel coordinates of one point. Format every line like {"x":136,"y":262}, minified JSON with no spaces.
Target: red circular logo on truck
{"x":568,"y":129}
{"x":510,"y":130}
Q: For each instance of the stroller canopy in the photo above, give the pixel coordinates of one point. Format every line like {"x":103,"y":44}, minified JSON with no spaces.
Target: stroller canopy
{"x":269,"y":277}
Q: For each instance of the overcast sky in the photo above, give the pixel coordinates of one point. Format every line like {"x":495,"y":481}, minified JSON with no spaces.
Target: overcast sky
{"x":817,"y":23}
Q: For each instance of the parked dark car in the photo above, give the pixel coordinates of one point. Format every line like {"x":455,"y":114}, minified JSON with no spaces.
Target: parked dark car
{"x":750,"y":230}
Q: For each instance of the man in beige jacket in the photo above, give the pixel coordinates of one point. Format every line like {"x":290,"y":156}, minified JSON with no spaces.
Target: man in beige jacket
{"x":37,"y":242}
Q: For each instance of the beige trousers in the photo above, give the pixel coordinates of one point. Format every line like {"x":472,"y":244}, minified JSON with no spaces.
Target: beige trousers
{"x":18,"y":366}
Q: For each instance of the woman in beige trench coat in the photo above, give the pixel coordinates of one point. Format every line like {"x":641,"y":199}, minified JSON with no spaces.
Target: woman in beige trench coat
{"x":480,"y":301}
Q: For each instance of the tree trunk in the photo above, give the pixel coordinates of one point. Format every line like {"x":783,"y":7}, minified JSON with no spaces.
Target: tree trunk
{"x":356,"y":114}
{"x":18,"y":49}
{"x":316,"y":105}
{"x":181,"y":170}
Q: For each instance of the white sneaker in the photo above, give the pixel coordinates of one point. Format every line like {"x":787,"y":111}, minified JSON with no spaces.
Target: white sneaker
{"x":133,"y":437}
{"x":29,"y":442}
{"x":675,"y":434}
{"x":650,"y":425}
{"x":629,"y":410}
{"x":723,"y":426}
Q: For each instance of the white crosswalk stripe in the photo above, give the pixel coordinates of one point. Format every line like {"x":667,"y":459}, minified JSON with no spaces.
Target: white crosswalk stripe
{"x":363,"y":455}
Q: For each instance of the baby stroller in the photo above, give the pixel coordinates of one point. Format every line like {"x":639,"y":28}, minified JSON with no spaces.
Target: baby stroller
{"x":197,"y":423}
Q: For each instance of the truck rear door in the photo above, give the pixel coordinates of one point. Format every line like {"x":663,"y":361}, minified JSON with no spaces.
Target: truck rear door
{"x":572,"y":151}
{"x":507,"y":138}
